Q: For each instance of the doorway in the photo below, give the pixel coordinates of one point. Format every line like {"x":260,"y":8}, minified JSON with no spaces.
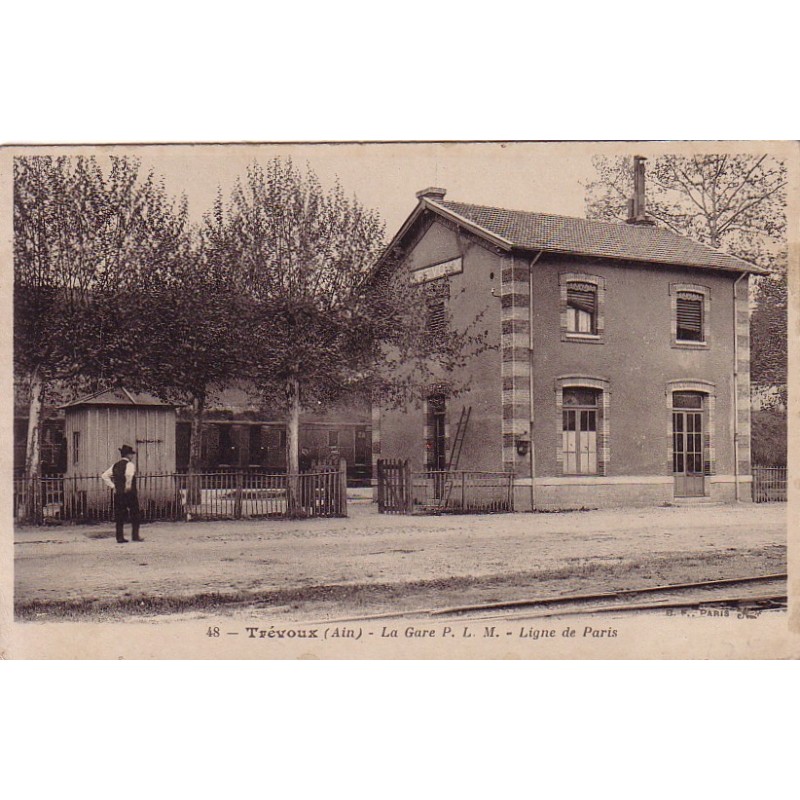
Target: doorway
{"x":436,"y":405}
{"x":687,"y":444}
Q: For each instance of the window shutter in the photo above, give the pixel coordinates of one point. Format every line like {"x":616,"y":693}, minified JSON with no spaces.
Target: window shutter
{"x":436,"y":317}
{"x":582,"y":296}
{"x":690,"y":318}
{"x":437,"y":295}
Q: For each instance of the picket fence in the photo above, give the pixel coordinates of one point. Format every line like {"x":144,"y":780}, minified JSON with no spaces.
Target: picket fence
{"x":403,"y":491}
{"x":321,"y":492}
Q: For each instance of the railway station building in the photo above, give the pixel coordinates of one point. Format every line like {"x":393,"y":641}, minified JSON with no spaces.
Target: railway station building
{"x":619,"y":366}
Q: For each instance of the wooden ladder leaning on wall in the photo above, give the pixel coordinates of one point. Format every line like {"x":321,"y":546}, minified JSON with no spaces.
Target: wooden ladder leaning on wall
{"x":455,"y":453}
{"x":458,"y":439}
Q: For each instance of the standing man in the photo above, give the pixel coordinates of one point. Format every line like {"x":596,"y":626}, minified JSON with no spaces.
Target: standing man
{"x":121,"y":477}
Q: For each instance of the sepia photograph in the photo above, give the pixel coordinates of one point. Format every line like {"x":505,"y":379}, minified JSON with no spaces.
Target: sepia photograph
{"x":399,"y":400}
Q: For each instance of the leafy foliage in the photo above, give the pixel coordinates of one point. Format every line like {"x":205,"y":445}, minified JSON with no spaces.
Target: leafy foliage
{"x":733,"y":202}
{"x":768,"y":340}
{"x":769,"y":438}
{"x":326,"y":324}
{"x":89,"y":246}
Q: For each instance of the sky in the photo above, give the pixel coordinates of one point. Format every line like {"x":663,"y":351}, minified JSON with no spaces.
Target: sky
{"x":386,"y":177}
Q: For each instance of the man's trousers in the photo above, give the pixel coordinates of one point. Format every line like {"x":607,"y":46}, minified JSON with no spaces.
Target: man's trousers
{"x":126,"y":502}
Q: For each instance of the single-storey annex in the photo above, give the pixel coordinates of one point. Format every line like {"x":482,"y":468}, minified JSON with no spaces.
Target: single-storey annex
{"x":620,"y":364}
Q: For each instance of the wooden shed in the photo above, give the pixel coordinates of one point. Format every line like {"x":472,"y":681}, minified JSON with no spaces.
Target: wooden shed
{"x":95,"y":427}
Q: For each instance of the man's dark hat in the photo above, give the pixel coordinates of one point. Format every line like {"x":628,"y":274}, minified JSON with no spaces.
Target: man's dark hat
{"x":127,"y":450}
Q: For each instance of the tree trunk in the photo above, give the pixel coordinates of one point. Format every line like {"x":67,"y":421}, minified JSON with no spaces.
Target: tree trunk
{"x":32,"y":511}
{"x":195,"y":450}
{"x":292,"y":444}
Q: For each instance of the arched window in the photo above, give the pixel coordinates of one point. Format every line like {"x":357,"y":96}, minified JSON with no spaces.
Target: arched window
{"x":581,"y":307}
{"x":690,"y":315}
{"x":582,"y":304}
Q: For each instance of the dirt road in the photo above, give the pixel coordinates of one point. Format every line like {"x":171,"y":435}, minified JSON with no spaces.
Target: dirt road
{"x":371,"y":562}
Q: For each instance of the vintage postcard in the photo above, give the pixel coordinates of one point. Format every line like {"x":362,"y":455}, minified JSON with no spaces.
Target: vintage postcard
{"x":480,"y":400}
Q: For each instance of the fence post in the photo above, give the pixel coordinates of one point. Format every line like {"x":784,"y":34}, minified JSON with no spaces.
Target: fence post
{"x":342,"y":487}
{"x":237,"y":503}
{"x":380,"y":485}
{"x":405,"y":477}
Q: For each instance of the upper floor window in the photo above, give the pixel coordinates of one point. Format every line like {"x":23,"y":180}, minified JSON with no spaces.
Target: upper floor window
{"x":690,"y":315}
{"x":437,"y":294}
{"x":582,"y":306}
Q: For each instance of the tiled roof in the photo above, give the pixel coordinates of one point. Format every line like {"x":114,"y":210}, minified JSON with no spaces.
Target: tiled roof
{"x":118,"y":397}
{"x":553,"y":233}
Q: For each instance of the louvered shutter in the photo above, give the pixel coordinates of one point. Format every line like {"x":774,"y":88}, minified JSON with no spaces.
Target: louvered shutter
{"x":436,"y":317}
{"x":690,"y":317}
{"x":582,"y":296}
{"x":437,"y":294}
{"x":581,"y":308}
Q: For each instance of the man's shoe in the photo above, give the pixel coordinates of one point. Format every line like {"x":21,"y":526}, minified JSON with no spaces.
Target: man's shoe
{"x":137,"y":539}
{"x":122,"y":541}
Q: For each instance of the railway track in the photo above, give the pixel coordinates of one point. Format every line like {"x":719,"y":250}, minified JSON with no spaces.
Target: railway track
{"x":747,"y":596}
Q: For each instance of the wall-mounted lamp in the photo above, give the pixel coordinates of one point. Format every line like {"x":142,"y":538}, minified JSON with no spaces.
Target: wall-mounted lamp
{"x":523,"y":445}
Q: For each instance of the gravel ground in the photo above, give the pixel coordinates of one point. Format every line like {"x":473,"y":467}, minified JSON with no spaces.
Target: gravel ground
{"x":371,"y":563}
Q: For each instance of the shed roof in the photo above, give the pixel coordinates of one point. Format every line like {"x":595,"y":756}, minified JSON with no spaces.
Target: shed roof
{"x":529,"y":230}
{"x":119,"y":397}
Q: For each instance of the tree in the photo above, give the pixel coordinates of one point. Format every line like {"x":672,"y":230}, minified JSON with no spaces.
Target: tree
{"x":736,"y":203}
{"x":202,"y":342}
{"x":768,"y":341}
{"x":85,"y":243}
{"x":325,"y":324}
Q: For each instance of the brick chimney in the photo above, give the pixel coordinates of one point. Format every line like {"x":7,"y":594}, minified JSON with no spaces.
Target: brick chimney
{"x":432,"y":193}
{"x":636,"y":205}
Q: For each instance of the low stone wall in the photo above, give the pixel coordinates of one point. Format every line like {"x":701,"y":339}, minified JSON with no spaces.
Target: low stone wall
{"x":552,"y":494}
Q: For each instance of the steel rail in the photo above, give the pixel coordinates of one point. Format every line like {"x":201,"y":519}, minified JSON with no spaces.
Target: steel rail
{"x":558,"y":600}
{"x":773,"y":601}
{"x":605,"y":595}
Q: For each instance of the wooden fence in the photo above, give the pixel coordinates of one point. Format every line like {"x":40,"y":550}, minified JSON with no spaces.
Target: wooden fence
{"x":394,"y":486}
{"x":321,"y":492}
{"x":401,"y":491}
{"x":769,"y":484}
